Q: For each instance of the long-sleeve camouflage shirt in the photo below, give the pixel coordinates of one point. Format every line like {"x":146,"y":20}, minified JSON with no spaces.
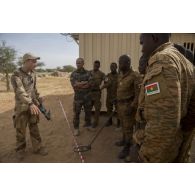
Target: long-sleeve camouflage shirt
{"x":81,"y":76}
{"x":98,"y":77}
{"x":24,"y":86}
{"x":129,"y":87}
{"x":165,"y":96}
{"x":110,"y":84}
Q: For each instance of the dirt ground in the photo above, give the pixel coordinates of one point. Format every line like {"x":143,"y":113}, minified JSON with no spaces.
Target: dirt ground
{"x":56,"y":135}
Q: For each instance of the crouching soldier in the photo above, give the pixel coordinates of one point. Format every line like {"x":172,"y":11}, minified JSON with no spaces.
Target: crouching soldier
{"x":26,"y":107}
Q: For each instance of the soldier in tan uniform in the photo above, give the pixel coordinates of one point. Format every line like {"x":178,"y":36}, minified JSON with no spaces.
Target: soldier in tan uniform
{"x":26,"y":111}
{"x":168,"y":102}
{"x":110,"y":84}
{"x":97,"y":77}
{"x":127,"y":100}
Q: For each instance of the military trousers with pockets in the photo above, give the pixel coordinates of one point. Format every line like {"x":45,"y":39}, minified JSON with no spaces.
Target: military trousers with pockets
{"x":127,"y":120}
{"x":21,"y":121}
{"x":96,"y":102}
{"x":77,"y":106}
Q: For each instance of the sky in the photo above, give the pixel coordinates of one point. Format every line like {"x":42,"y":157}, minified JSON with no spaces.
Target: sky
{"x":53,"y":49}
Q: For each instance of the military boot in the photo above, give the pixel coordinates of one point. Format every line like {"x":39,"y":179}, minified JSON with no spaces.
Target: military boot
{"x":42,"y":151}
{"x":20,"y":154}
{"x":125,"y":151}
{"x":109,"y":123}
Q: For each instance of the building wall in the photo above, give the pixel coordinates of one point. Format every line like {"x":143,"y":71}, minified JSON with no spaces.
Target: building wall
{"x":107,"y":47}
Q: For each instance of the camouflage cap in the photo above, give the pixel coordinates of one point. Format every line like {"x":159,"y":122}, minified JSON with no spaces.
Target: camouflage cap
{"x":29,"y":56}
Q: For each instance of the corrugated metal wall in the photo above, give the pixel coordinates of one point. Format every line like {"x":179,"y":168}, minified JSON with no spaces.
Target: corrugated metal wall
{"x":107,"y":47}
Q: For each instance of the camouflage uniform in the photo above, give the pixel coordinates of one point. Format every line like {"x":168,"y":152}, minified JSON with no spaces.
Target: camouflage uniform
{"x":127,"y":100}
{"x":82,"y":97}
{"x":98,"y":77}
{"x":24,"y":86}
{"x":164,"y":98}
{"x":111,"y":85}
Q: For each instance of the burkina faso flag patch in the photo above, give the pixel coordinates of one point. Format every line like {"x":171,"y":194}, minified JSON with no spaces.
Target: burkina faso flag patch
{"x":152,"y":88}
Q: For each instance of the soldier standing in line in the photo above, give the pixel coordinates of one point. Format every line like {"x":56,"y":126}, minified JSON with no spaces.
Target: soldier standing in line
{"x":167,"y":100}
{"x":81,"y":82}
{"x":26,"y":107}
{"x":110,"y":84}
{"x":97,"y":77}
{"x":127,"y":100}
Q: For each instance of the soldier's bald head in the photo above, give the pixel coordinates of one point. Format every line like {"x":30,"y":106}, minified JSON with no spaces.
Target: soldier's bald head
{"x":186,"y":52}
{"x":180,"y":48}
{"x":125,"y":59}
{"x":124,"y":63}
{"x":151,"y":41}
{"x":113,"y":67}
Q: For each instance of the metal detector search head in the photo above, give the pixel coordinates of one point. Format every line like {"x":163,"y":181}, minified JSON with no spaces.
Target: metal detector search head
{"x":82,"y":148}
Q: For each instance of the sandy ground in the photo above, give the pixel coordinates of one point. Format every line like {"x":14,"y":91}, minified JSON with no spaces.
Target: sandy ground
{"x":56,"y":135}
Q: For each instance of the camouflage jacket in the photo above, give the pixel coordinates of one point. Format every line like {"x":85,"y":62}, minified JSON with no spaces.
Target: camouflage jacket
{"x":78,"y":76}
{"x":24,"y":86}
{"x":97,"y":77}
{"x":111,"y":84}
{"x":129,"y":87}
{"x":165,"y":95}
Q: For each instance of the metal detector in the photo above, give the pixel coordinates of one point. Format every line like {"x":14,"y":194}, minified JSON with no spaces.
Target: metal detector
{"x":85,"y":148}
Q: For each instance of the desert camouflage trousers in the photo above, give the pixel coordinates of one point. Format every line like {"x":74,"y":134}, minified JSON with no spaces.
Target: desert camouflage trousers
{"x":21,"y":121}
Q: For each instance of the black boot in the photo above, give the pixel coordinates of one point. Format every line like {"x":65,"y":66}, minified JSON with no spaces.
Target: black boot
{"x":109,"y":123}
{"x":125,"y":151}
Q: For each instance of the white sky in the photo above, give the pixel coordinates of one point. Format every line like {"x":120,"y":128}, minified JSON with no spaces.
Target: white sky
{"x":53,"y":48}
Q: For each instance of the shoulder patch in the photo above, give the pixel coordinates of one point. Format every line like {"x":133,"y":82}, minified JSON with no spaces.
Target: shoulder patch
{"x":152,"y":89}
